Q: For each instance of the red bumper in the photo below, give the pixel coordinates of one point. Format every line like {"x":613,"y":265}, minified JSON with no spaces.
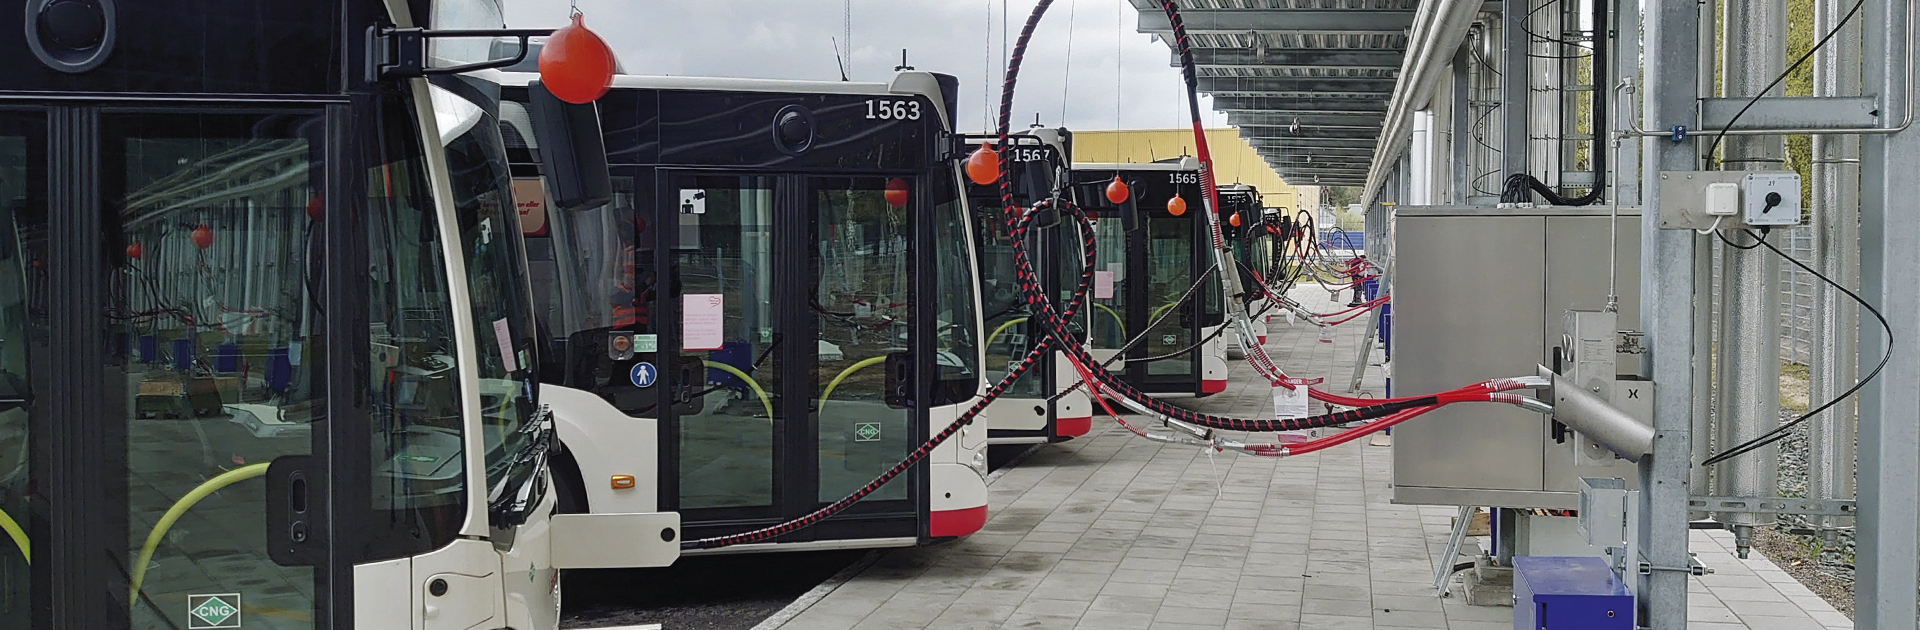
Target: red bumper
{"x":1072,"y":427}
{"x":1213,"y":387}
{"x":951,"y":523}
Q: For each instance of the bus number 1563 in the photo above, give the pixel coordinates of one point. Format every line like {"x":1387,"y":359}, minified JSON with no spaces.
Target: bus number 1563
{"x":884,"y":109}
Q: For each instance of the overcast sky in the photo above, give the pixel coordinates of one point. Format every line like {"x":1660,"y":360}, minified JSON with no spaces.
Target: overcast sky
{"x":792,"y":39}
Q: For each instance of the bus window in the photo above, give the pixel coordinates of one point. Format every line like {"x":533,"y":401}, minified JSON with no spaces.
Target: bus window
{"x":497,"y":285}
{"x":23,"y":338}
{"x":957,"y":352}
{"x":419,"y":476}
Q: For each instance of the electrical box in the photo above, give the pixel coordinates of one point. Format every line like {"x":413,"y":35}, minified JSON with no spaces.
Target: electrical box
{"x":1482,"y":293}
{"x":1579,"y":592}
{"x":1771,"y":198}
{"x":1728,"y":200}
{"x":1723,"y":199}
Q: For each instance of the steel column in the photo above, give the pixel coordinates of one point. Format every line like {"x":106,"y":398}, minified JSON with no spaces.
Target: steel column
{"x":1460,"y":115}
{"x":1672,"y":42}
{"x":1513,"y":91}
{"x":1889,"y":471}
{"x":1748,"y":374}
{"x":1836,"y":215}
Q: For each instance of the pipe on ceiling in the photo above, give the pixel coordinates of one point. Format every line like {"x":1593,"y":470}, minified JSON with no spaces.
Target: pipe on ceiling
{"x":1439,"y":26}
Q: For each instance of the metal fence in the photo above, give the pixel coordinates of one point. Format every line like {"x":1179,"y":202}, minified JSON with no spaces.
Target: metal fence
{"x":1797,"y":299}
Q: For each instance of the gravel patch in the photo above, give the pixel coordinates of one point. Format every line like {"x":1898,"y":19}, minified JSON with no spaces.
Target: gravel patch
{"x":1823,"y":566}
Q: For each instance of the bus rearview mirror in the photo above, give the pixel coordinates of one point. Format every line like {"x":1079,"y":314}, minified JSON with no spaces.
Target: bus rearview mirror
{"x":573,"y":154}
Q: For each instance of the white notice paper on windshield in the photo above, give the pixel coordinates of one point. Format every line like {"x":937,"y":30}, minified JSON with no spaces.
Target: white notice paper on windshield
{"x":1103,"y":285}
{"x":503,"y":335}
{"x":703,"y":321}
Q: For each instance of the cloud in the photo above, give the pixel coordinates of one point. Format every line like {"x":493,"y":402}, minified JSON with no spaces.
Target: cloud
{"x":1071,"y":65}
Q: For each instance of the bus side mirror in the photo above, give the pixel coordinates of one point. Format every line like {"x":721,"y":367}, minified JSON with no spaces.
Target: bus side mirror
{"x":1130,"y":218}
{"x":573,"y":154}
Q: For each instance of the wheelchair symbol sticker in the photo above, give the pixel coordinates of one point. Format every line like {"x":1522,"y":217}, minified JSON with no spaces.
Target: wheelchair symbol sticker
{"x":643,"y":375}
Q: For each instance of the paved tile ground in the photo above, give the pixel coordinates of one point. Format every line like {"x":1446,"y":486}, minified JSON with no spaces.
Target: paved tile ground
{"x":1114,"y":532}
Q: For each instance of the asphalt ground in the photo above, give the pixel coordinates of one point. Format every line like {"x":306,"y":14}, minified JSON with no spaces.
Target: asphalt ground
{"x":697,"y":593}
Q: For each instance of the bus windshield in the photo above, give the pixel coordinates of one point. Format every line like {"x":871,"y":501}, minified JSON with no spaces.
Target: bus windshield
{"x":497,"y":283}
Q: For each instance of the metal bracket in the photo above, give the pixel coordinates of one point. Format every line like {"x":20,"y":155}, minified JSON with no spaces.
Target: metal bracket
{"x":1678,"y":133}
{"x":1693,"y":567}
{"x":401,"y":53}
{"x":1773,"y":505}
{"x":1632,"y":342}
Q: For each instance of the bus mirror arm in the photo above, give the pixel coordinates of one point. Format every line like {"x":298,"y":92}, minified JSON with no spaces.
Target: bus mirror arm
{"x":401,"y":53}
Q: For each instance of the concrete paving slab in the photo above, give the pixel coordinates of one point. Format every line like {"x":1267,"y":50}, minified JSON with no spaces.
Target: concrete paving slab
{"x":1115,"y":532}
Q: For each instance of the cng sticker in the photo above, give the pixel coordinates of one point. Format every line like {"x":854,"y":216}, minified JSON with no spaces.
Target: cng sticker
{"x":866,"y":432}
{"x":213,"y":611}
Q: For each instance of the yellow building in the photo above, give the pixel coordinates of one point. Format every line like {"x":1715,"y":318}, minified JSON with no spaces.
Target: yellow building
{"x":1234,"y":161}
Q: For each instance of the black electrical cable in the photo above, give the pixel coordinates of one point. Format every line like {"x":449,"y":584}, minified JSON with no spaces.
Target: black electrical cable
{"x":1518,"y":184}
{"x":1759,"y":239}
{"x":1780,"y":432}
{"x":1715,"y":145}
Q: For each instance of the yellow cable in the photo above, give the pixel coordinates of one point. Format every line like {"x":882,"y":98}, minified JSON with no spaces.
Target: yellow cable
{"x":1156,"y":312}
{"x":179,"y":509}
{"x":764,"y":400}
{"x":1117,"y":319}
{"x":19,"y":536}
{"x":846,"y":373}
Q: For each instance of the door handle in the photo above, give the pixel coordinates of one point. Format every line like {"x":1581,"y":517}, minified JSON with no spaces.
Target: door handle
{"x":296,"y":512}
{"x":899,"y":392}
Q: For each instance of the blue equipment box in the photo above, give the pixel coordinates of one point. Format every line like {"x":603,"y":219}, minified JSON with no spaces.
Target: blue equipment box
{"x":1577,"y":593}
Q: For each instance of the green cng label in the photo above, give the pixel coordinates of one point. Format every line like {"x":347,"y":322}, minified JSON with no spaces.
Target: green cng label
{"x":213,"y":611}
{"x":866,"y":432}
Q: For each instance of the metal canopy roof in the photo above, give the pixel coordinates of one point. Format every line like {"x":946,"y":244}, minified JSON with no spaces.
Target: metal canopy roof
{"x":1307,"y":82}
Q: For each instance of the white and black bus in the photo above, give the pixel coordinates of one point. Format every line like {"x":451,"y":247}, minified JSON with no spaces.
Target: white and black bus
{"x":776,"y":304}
{"x":1043,"y":406}
{"x":1150,"y":252}
{"x":267,"y":350}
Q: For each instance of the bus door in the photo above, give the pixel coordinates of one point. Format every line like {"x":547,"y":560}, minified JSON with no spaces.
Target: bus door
{"x":796,"y":342}
{"x":1166,"y":263}
{"x":162,"y":345}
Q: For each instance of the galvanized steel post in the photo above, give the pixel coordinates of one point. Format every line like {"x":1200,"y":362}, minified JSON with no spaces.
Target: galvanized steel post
{"x":1748,"y":373}
{"x":1888,"y":552}
{"x":1836,"y":320}
{"x":1513,"y":92}
{"x":1672,"y":44}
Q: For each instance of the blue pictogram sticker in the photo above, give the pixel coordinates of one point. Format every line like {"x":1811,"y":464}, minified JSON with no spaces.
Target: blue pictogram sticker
{"x":643,"y":375}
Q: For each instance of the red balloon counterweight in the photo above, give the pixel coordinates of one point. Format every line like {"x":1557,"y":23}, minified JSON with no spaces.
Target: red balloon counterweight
{"x":983,"y":165}
{"x":575,"y":64}
{"x":1117,"y":190}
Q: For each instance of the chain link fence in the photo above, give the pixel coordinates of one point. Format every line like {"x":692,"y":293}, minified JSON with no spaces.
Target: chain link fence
{"x":1797,"y":299}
